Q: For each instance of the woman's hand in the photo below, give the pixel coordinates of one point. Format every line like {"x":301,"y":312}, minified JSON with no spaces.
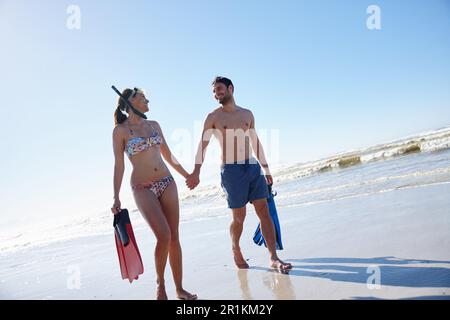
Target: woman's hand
{"x":116,"y":207}
{"x":192,"y":180}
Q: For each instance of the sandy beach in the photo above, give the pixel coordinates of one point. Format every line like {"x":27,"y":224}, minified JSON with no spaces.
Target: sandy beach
{"x":345,"y":105}
{"x":377,"y":229}
{"x":332,"y":247}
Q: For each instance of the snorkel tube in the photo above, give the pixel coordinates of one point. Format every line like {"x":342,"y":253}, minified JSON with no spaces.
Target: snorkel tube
{"x":140,"y":114}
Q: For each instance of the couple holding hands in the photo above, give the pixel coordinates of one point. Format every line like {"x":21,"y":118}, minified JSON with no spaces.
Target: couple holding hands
{"x":155,"y":191}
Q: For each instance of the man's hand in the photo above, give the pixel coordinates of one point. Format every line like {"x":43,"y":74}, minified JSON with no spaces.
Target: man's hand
{"x":192,"y":180}
{"x":269,"y":179}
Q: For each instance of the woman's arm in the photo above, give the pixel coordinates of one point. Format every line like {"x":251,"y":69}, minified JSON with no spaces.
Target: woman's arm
{"x":119,"y":164}
{"x":169,"y":157}
{"x":208,"y":127}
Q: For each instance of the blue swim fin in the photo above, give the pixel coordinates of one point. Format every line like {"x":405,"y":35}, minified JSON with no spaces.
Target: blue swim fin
{"x":257,"y":236}
{"x":130,"y":260}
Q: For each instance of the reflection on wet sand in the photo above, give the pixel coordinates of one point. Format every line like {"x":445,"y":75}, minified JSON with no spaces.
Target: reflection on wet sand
{"x":243,"y":279}
{"x":279,"y":283}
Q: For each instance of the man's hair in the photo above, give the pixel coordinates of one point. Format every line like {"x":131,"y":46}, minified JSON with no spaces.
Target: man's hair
{"x":227,"y":82}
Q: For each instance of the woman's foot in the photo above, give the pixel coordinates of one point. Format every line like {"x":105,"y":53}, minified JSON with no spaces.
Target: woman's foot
{"x":161,"y":292}
{"x":184,"y":295}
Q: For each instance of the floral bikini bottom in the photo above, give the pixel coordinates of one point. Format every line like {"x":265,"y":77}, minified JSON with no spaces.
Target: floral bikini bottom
{"x":157,"y":187}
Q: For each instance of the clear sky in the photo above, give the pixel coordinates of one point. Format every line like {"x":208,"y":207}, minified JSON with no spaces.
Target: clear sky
{"x":311,"y":70}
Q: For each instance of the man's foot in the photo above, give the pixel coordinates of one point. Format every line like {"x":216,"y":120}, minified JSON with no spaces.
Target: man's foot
{"x":239,"y":259}
{"x":184,"y":295}
{"x":276,"y":263}
{"x":161,"y":293}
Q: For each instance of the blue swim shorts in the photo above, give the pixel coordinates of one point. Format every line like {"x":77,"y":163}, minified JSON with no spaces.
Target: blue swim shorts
{"x":243,"y":182}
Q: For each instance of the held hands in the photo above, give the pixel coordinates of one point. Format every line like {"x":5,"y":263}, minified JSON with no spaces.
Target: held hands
{"x":192,"y":180}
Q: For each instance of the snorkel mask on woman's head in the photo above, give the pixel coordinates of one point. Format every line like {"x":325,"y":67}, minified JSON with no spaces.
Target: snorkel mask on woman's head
{"x":133,"y":93}
{"x":136,"y":91}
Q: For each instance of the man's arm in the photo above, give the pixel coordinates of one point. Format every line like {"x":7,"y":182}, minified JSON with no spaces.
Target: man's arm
{"x":259,"y":150}
{"x":194,"y":178}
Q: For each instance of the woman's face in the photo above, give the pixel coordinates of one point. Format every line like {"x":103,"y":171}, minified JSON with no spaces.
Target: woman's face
{"x":140,"y":102}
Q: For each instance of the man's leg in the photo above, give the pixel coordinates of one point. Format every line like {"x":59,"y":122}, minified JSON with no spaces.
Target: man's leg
{"x":236,"y":228}
{"x":268,"y":231}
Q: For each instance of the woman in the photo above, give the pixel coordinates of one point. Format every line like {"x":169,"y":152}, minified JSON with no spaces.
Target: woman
{"x":154,"y":188}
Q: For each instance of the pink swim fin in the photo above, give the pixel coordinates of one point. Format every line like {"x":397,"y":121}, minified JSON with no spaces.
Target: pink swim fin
{"x":130,"y":260}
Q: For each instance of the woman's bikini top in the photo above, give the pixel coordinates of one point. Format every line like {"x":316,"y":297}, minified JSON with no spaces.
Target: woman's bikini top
{"x":138,"y":144}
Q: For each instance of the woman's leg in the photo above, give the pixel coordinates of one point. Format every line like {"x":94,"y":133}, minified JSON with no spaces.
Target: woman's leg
{"x":170,"y":207}
{"x":151,"y":210}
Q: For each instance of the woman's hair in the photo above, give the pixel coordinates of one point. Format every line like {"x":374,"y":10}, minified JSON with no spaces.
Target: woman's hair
{"x":119,"y":116}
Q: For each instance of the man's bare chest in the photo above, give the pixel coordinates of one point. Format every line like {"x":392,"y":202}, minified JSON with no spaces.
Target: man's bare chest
{"x":230,"y":122}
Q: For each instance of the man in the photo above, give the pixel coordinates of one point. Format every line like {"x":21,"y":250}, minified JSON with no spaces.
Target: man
{"x":241,"y":175}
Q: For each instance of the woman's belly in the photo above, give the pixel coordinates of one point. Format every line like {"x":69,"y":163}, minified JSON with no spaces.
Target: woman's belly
{"x":147,"y":168}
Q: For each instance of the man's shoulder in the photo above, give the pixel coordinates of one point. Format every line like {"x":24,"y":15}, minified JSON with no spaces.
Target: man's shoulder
{"x":245,"y":110}
{"x":216,"y":110}
{"x":213,"y":114}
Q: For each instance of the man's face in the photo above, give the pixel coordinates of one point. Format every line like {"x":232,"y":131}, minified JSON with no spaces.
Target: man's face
{"x":221,"y":93}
